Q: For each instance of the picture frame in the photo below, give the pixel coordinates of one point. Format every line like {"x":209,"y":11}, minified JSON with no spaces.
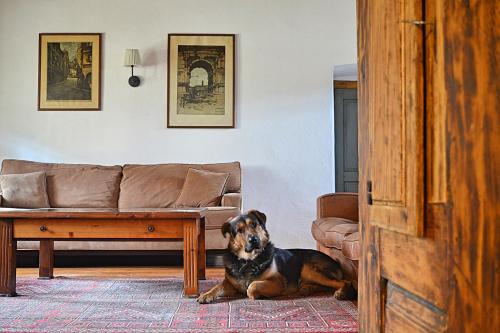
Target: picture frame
{"x":201,"y":81}
{"x":69,"y":72}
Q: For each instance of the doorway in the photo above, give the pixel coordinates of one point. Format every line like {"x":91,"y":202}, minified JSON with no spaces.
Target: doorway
{"x":346,"y":136}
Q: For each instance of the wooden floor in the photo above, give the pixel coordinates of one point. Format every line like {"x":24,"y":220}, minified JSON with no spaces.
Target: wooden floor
{"x":121,"y":272}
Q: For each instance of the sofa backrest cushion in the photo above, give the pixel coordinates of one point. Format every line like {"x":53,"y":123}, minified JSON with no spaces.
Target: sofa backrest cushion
{"x":159,"y":185}
{"x":27,"y":190}
{"x":74,"y":185}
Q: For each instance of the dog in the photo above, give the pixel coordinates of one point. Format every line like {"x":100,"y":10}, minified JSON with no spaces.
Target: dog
{"x":257,"y":269}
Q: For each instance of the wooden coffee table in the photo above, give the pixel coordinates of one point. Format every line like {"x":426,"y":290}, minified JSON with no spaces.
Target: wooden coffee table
{"x":48,"y":225}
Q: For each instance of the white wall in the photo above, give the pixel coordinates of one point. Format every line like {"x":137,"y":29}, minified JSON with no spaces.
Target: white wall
{"x":286,"y":50}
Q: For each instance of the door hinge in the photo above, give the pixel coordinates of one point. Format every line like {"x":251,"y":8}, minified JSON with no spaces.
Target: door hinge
{"x":369,"y":190}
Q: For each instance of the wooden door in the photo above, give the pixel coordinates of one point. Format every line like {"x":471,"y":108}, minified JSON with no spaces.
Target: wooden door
{"x":346,"y":138}
{"x":429,"y":199}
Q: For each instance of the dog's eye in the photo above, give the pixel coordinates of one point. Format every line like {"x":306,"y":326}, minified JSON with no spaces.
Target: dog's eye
{"x":253,"y":225}
{"x":240,"y":230}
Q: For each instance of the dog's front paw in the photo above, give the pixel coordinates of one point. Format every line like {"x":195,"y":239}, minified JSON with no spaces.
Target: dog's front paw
{"x":206,"y":298}
{"x":252,"y":291}
{"x":340,"y":294}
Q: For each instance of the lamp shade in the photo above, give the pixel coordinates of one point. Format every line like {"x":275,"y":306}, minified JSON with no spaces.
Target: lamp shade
{"x":131,"y":57}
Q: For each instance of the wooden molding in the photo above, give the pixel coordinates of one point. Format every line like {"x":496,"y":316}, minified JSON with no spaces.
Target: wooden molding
{"x":345,"y":84}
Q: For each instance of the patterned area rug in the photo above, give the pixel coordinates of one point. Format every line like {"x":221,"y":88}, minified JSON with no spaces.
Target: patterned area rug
{"x":146,"y":305}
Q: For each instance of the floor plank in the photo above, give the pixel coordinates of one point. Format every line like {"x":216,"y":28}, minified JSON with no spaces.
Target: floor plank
{"x":120,"y":272}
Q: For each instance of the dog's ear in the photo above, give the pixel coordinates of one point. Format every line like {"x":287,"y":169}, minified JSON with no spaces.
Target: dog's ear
{"x":226,"y":228}
{"x":261,"y":217}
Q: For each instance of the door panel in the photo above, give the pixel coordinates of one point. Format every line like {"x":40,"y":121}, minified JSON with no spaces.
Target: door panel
{"x":346,"y":140}
{"x":403,"y":271}
{"x":441,"y":276}
{"x":405,"y":312}
{"x":396,"y":118}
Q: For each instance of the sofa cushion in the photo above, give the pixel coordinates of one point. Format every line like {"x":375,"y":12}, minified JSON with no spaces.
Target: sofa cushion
{"x":216,"y":216}
{"x":233,"y":168}
{"x":74,"y":185}
{"x":350,"y":246}
{"x":202,"y":189}
{"x":151,"y":186}
{"x":231,"y":200}
{"x":159,"y":185}
{"x":331,"y":231}
{"x":27,"y":190}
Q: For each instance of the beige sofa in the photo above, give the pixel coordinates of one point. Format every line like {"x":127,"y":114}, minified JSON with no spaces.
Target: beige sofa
{"x":125,"y":187}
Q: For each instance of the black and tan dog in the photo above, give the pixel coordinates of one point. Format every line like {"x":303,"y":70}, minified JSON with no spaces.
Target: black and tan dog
{"x":254,"y":267}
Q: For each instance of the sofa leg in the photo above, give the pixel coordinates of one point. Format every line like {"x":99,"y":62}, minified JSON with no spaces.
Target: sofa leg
{"x":46,"y":259}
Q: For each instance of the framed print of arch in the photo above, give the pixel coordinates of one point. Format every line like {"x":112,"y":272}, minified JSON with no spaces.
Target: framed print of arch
{"x":200,"y":81}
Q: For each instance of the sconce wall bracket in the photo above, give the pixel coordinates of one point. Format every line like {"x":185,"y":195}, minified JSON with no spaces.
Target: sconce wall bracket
{"x":134,"y":81}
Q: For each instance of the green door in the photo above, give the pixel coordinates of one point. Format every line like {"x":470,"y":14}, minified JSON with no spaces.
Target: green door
{"x":346,"y":140}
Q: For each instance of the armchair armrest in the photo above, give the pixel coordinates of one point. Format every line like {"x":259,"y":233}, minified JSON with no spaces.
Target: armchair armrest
{"x":231,"y":200}
{"x":344,"y":205}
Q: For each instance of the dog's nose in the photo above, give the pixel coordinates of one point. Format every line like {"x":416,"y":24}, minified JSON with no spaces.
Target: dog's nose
{"x":253,"y":240}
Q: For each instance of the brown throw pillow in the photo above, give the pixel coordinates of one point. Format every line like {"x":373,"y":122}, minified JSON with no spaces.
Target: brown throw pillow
{"x":202,"y":189}
{"x":27,"y":190}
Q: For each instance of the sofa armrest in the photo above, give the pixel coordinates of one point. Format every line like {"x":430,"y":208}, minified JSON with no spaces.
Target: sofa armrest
{"x":231,"y":200}
{"x":342,"y":204}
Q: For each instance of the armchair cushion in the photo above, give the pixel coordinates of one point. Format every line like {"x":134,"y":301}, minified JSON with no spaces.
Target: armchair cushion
{"x":350,"y":246}
{"x":27,"y":190}
{"x":332,"y":231}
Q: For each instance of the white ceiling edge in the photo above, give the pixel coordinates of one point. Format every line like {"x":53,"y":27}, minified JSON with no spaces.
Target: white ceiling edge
{"x":346,"y":72}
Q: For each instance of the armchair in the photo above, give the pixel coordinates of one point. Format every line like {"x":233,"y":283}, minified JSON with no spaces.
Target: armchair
{"x":336,"y":231}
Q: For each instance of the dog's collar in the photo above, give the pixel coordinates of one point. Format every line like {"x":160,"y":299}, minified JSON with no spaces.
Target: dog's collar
{"x":256,"y":264}
{"x":239,"y":266}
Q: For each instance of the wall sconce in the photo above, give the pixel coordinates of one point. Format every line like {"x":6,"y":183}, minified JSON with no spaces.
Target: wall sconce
{"x":132,"y":59}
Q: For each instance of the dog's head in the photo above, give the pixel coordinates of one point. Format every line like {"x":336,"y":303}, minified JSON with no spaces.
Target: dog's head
{"x":247,"y":234}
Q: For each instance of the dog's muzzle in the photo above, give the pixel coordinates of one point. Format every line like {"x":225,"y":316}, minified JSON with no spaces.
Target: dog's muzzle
{"x":252,"y":243}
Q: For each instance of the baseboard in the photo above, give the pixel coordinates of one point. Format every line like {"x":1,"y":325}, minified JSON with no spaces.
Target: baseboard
{"x":29,"y":258}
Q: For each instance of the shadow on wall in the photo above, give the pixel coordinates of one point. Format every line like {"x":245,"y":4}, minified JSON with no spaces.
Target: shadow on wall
{"x":289,"y":213}
{"x":153,"y":56}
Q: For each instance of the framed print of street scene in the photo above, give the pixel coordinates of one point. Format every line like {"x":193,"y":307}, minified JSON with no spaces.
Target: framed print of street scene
{"x":69,"y":71}
{"x":200,"y":80}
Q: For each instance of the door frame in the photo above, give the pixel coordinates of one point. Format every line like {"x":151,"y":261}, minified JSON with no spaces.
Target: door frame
{"x":340,"y":84}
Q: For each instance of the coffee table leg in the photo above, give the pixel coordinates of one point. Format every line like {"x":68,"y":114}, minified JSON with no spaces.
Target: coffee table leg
{"x":46,"y":259}
{"x":191,"y":258}
{"x":8,"y":247}
{"x":202,"y":255}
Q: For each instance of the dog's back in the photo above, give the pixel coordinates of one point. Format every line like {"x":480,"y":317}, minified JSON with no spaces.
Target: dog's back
{"x":292,"y":262}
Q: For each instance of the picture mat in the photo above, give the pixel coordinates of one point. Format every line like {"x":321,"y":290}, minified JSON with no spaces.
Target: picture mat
{"x":182,"y":120}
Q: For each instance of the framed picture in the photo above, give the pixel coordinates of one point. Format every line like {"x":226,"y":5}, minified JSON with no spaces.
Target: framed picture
{"x":69,"y":71}
{"x":200,"y":82}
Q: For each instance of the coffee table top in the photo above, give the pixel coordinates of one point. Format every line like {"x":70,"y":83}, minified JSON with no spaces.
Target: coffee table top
{"x":103,"y":213}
